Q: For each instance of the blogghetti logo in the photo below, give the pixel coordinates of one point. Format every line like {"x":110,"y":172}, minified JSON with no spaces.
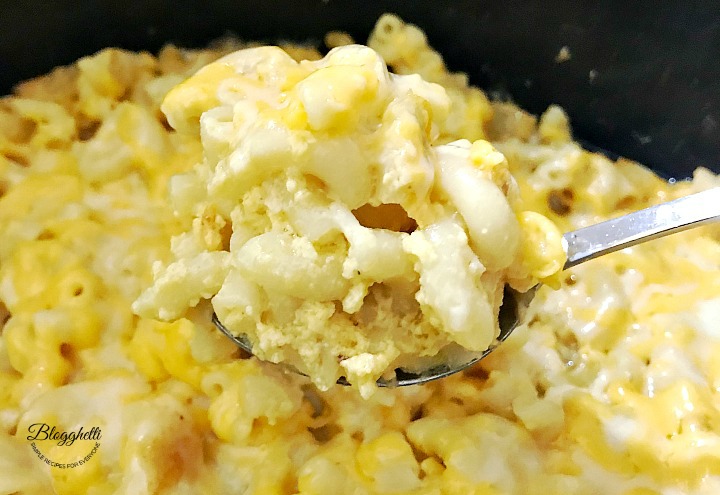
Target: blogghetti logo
{"x":80,"y":444}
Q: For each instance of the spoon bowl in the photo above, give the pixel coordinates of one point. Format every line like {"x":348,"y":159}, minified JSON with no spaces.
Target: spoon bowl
{"x":512,"y":312}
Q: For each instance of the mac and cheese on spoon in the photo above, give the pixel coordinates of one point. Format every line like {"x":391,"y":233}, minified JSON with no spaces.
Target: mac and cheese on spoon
{"x":332,"y":224}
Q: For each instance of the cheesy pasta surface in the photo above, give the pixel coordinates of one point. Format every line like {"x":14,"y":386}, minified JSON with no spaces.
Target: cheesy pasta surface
{"x":612,"y":386}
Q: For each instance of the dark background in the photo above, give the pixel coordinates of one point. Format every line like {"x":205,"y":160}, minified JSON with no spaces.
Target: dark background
{"x":655,"y":96}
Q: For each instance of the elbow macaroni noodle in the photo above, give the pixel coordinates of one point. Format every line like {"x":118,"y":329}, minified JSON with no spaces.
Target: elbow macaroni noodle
{"x":612,"y":386}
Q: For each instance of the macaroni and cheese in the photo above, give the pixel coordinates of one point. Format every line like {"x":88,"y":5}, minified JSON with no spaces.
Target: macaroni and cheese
{"x":612,"y":386}
{"x":328,"y":227}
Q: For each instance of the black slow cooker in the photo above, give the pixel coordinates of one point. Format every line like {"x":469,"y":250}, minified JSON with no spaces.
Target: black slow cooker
{"x":642,"y":79}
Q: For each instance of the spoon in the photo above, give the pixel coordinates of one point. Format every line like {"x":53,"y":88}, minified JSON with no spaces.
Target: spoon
{"x":580,"y":246}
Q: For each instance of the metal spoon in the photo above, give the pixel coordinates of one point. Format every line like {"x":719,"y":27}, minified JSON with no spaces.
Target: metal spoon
{"x":580,"y":246}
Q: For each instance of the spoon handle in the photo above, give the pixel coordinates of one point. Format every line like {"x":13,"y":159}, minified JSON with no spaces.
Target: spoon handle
{"x":643,"y":225}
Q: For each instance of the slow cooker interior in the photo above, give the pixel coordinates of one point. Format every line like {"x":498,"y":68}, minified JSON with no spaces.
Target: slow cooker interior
{"x":643,"y":80}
